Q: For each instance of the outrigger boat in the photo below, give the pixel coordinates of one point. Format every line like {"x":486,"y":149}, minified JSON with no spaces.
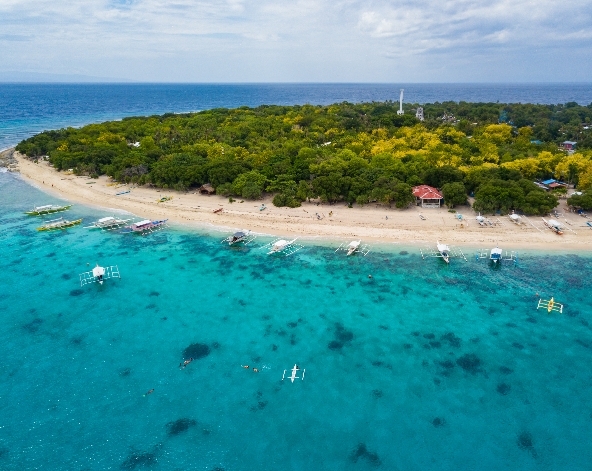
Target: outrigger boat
{"x":47,"y":209}
{"x":99,"y":274}
{"x":515,"y":218}
{"x":59,"y":223}
{"x":293,"y":376}
{"x":354,"y":247}
{"x":497,"y":255}
{"x":108,"y":223}
{"x":554,"y":225}
{"x":550,"y":305}
{"x":286,"y":247}
{"x":442,"y":251}
{"x":244,"y":236}
{"x":146,"y":226}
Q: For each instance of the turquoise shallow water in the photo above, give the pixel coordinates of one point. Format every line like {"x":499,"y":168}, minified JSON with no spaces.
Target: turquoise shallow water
{"x":422,"y":367}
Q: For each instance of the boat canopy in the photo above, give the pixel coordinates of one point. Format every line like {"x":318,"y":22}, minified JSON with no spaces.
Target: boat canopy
{"x":98,"y":271}
{"x":143,"y":223}
{"x":107,"y":219}
{"x":554,"y":223}
{"x":238,"y":234}
{"x":355,"y":243}
{"x":496,"y":251}
{"x":41,"y":208}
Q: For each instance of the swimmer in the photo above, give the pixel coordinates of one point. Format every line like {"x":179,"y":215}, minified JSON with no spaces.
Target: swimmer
{"x":245,"y":366}
{"x":369,"y":276}
{"x":149,"y":392}
{"x":255,"y":370}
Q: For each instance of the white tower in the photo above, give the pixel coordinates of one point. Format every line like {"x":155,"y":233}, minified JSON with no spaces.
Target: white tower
{"x":400,"y":103}
{"x":419,"y":113}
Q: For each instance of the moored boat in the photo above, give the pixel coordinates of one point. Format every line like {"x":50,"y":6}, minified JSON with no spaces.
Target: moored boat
{"x":60,"y":223}
{"x":47,"y":209}
{"x":146,"y":225}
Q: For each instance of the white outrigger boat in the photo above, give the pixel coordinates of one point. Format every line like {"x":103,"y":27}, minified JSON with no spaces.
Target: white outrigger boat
{"x":108,"y":223}
{"x":354,"y":247}
{"x":286,"y":247}
{"x":497,"y":255}
{"x":146,"y":226}
{"x":550,"y":305}
{"x":442,"y":251}
{"x":554,"y":225}
{"x":47,"y":209}
{"x":244,"y":236}
{"x":294,"y":372}
{"x":515,"y":218}
{"x":99,"y":274}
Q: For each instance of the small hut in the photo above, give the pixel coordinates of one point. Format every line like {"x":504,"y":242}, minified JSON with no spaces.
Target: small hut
{"x":207,"y":189}
{"x":427,"y":196}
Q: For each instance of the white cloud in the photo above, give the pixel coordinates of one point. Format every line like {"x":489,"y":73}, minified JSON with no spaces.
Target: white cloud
{"x":298,"y":40}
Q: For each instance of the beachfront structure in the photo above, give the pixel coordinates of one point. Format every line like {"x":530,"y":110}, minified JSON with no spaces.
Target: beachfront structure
{"x":206,"y":189}
{"x":427,"y":196}
{"x":551,"y":184}
{"x":569,"y":145}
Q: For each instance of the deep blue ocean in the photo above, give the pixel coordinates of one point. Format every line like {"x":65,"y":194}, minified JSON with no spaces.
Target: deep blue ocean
{"x":26,"y":109}
{"x":422,"y":367}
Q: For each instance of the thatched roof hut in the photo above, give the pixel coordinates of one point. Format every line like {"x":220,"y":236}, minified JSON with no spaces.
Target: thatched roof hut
{"x":207,"y":189}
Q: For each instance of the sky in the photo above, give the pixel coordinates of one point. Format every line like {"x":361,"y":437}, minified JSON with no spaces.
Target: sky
{"x":298,"y":40}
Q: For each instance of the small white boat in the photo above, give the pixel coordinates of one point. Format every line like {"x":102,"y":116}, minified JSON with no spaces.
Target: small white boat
{"x":280,"y":245}
{"x":99,"y":274}
{"x":352,"y":247}
{"x":515,"y":219}
{"x":244,"y":236}
{"x":294,"y":372}
{"x":480,"y":219}
{"x":554,"y":225}
{"x":283,"y":246}
{"x":444,"y":251}
{"x":495,"y":255}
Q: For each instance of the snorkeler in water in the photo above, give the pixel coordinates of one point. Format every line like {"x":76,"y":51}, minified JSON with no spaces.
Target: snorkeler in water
{"x":255,"y":370}
{"x":245,"y":366}
{"x":149,"y":392}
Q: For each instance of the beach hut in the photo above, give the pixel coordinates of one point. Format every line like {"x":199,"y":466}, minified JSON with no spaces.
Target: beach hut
{"x":207,"y":189}
{"x":427,"y":196}
{"x":569,"y":145}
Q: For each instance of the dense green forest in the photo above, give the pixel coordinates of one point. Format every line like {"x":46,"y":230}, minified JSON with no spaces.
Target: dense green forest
{"x":357,"y":153}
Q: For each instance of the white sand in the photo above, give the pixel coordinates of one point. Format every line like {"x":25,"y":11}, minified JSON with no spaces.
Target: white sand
{"x":372,"y":223}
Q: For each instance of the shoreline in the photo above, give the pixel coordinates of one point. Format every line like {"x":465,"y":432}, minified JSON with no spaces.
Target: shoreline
{"x":371,"y":223}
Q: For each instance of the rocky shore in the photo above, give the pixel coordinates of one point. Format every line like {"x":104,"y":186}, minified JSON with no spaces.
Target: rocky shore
{"x":8,"y":160}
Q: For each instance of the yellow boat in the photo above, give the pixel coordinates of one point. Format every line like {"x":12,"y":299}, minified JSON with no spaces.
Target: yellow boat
{"x":550,"y":305}
{"x":60,"y":223}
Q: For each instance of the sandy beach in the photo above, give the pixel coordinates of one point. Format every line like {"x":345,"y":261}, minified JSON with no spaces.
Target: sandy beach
{"x":371,"y":223}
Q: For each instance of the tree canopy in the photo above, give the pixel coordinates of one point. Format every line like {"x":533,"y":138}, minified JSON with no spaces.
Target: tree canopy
{"x":356,"y":153}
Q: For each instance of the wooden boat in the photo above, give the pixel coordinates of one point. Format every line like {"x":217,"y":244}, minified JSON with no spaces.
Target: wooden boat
{"x":550,"y":305}
{"x":146,"y":226}
{"x":554,"y":225}
{"x":47,"y":209}
{"x":444,"y":251}
{"x":244,"y":236}
{"x":422,"y":217}
{"x":219,"y":210}
{"x":60,"y":223}
{"x":108,"y":223}
{"x":164,"y":199}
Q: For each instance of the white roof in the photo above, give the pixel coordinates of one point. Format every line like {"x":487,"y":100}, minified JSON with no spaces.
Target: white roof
{"x":108,"y":218}
{"x":142,"y":223}
{"x":354,"y":243}
{"x":555,"y":223}
{"x":514,"y":216}
{"x":497,"y":251}
{"x":98,"y":271}
{"x":44,"y":207}
{"x":443,"y":247}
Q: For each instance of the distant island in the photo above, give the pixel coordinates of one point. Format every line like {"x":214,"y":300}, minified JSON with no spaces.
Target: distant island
{"x":354,"y":153}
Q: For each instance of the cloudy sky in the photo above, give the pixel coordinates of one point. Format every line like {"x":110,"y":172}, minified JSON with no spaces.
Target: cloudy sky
{"x":300,"y":40}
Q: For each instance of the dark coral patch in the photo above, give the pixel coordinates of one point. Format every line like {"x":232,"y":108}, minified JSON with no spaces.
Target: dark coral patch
{"x":438,"y":422}
{"x":196,"y":351}
{"x":136,"y":460}
{"x":470,"y":362}
{"x":33,"y":326}
{"x":429,"y":336}
{"x":383,"y":327}
{"x":403,"y":252}
{"x":525,"y":442}
{"x":125,"y":372}
{"x":76,"y":292}
{"x":517,"y":345}
{"x":377,"y":393}
{"x":407,"y":346}
{"x":179,"y":426}
{"x":503,"y":389}
{"x":154,"y":293}
{"x":447,"y":364}
{"x":362,"y":452}
{"x":505,"y":370}
{"x":452,"y":339}
{"x":65,"y":276}
{"x":435,"y":344}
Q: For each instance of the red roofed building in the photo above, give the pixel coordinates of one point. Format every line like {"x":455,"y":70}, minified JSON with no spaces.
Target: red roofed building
{"x":427,"y":196}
